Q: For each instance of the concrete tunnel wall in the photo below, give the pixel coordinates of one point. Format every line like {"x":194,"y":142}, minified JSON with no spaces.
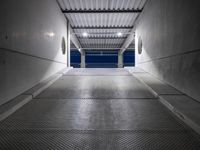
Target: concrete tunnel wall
{"x":170,"y":33}
{"x":31,"y":32}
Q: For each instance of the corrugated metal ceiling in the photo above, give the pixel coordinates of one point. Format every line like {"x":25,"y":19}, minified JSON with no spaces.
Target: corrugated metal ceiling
{"x":105,"y":20}
{"x":102,"y":28}
{"x":101,"y":4}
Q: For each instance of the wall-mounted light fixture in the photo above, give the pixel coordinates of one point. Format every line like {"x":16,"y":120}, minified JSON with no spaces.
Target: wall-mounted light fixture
{"x":50,"y":34}
{"x":119,"y":34}
{"x":85,"y":34}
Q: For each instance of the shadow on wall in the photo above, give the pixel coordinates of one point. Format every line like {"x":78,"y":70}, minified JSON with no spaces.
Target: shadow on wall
{"x":20,"y":72}
{"x":31,"y":44}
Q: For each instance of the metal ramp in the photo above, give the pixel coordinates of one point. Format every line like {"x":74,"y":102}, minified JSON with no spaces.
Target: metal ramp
{"x":96,"y":113}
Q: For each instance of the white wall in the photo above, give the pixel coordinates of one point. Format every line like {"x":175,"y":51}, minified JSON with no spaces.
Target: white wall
{"x":31,"y":32}
{"x":170,"y":32}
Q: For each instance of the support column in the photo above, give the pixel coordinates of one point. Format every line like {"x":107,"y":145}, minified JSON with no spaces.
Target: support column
{"x":68,"y":44}
{"x":82,"y":59}
{"x":120,"y":60}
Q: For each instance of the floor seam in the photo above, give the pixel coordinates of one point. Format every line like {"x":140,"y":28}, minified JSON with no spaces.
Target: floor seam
{"x":96,"y":98}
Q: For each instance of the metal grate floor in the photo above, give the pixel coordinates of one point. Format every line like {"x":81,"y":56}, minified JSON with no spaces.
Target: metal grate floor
{"x":114,"y":114}
{"x":96,"y":113}
{"x":97,"y":140}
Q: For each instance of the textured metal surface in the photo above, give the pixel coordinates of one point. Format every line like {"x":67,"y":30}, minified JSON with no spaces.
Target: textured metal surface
{"x":101,"y":43}
{"x":101,"y":30}
{"x":95,"y":124}
{"x":101,"y":4}
{"x":97,"y":87}
{"x":115,"y":114}
{"x":101,"y":20}
{"x":98,"y":72}
{"x":157,"y":85}
{"x":97,"y":140}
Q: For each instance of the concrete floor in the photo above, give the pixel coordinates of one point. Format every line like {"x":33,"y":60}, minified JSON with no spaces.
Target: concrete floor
{"x":96,"y":109}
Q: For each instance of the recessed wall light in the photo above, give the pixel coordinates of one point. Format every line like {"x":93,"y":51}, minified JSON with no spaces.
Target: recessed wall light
{"x":50,"y":34}
{"x":85,"y":34}
{"x":119,"y":34}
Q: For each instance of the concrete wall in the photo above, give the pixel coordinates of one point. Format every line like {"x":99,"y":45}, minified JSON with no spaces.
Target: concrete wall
{"x":170,"y":33}
{"x":31,"y":33}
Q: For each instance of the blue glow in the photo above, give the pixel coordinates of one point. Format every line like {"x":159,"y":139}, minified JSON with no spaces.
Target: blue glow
{"x":102,"y":59}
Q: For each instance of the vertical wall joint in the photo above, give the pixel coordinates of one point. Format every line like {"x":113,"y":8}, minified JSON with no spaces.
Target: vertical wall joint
{"x":68,"y":44}
{"x":120,"y":60}
{"x":82,"y":58}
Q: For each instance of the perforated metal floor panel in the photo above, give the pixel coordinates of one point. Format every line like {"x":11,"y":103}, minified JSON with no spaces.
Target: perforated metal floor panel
{"x":97,"y":140}
{"x":95,"y":113}
{"x":115,"y":114}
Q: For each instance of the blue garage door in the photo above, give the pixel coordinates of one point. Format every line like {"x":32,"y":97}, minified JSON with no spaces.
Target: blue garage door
{"x":101,"y":59}
{"x":75,"y":58}
{"x":129,"y":58}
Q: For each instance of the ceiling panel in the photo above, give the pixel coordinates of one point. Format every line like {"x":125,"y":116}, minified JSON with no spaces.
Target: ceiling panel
{"x":91,"y":23}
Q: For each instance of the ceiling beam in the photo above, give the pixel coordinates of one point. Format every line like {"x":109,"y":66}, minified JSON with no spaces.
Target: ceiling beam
{"x":103,"y":48}
{"x":103,"y":11}
{"x":128,"y":41}
{"x":130,"y":38}
{"x":103,"y":27}
{"x":75,"y":40}
{"x":102,"y":38}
